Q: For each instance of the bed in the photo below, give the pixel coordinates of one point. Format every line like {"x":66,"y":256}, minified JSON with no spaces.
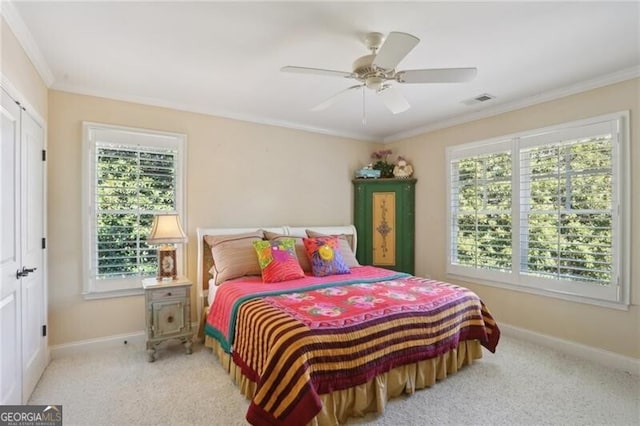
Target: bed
{"x":319,"y":349}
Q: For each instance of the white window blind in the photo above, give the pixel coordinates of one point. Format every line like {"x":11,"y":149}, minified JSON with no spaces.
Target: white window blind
{"x":132,"y":174}
{"x":544,"y":210}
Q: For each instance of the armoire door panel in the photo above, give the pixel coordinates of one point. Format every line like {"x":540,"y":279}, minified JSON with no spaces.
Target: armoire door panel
{"x":383,"y":228}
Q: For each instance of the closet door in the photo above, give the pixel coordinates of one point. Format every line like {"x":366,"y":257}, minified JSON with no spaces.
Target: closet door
{"x":10,"y":254}
{"x":23,"y":345}
{"x":34,"y":342}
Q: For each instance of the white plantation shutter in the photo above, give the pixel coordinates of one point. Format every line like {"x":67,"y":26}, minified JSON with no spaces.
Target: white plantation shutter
{"x":569,"y":204}
{"x":569,"y":210}
{"x":132,"y":184}
{"x":562,"y":191}
{"x":481,"y":211}
{"x":132,"y":175}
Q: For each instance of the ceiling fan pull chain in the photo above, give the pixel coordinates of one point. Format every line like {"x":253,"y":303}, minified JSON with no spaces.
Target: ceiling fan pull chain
{"x":364,"y":111}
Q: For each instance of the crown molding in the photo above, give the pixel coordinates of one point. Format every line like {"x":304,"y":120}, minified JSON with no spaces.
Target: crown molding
{"x":14,"y":20}
{"x":207,"y":111}
{"x":594,"y":83}
{"x":616,"y":77}
{"x":18,"y":96}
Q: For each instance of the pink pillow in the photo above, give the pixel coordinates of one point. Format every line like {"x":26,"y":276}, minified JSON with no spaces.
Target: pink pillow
{"x":278,"y":261}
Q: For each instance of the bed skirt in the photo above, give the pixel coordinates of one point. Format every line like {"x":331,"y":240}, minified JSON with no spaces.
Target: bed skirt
{"x":372,"y":396}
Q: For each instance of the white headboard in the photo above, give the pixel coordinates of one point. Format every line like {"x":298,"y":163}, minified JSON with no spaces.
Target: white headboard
{"x":205,"y":260}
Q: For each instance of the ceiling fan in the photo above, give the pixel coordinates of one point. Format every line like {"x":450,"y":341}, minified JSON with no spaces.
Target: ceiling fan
{"x":376,"y":70}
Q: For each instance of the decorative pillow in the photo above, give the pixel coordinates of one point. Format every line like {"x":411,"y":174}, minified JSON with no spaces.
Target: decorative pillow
{"x":233,"y":255}
{"x":278,"y":260}
{"x":345,"y":247}
{"x":324,"y":253}
{"x":301,"y":253}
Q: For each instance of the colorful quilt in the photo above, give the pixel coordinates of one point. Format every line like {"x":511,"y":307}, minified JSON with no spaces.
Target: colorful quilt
{"x":300,"y":340}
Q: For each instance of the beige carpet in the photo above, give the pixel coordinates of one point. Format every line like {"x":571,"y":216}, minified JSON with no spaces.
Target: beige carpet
{"x":522,"y":384}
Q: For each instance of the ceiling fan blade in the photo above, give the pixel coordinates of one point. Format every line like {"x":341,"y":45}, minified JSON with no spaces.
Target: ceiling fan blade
{"x":304,"y":70}
{"x":335,"y":98}
{"x":395,"y":48}
{"x":437,"y":75}
{"x":394,"y":100}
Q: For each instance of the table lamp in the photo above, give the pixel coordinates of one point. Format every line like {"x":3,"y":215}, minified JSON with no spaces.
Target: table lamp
{"x":166,"y":231}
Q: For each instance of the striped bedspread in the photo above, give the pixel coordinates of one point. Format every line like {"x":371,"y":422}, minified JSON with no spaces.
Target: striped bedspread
{"x":297,"y":341}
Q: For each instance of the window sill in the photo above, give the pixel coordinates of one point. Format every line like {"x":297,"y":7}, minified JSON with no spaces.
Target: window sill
{"x":94,"y":295}
{"x":620,"y":306}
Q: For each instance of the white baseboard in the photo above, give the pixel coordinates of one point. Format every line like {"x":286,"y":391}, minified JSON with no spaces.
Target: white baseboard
{"x":100,"y":343}
{"x":606,"y":358}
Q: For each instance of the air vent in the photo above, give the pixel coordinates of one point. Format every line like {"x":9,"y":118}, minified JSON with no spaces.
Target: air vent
{"x":484,"y":97}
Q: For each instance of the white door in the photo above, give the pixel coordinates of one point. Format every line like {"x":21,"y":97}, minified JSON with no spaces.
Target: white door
{"x":10,"y":253}
{"x":34,"y":344}
{"x":23,"y":355}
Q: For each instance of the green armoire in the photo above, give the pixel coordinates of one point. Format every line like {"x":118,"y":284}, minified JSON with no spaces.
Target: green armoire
{"x":384,"y":215}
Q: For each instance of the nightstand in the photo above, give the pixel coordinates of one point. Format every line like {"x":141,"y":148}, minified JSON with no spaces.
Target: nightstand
{"x":168,"y":306}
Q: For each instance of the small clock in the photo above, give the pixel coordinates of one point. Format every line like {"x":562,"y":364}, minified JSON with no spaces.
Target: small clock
{"x":167,"y":263}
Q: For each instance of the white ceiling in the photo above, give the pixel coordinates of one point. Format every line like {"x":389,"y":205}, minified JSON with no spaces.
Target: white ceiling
{"x":225,"y":58}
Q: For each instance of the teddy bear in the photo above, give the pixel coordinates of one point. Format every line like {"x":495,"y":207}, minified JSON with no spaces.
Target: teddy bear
{"x":402,"y":169}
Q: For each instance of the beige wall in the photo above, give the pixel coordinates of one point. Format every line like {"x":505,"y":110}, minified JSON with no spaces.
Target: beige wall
{"x":609,"y":329}
{"x":20,"y":72}
{"x":238,"y":174}
{"x":242,"y":174}
{"x":247,"y":174}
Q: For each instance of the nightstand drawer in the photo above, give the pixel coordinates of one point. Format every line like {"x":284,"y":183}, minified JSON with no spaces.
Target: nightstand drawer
{"x":168,"y":292}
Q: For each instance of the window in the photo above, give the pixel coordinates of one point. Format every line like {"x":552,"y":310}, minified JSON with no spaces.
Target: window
{"x":131,"y":174}
{"x":481,"y":199}
{"x":544,"y":211}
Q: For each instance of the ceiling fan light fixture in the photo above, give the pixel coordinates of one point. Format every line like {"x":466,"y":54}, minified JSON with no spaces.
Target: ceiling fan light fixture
{"x":374,"y":83}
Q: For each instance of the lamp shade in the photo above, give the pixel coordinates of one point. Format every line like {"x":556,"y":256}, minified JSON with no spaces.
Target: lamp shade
{"x":166,"y":229}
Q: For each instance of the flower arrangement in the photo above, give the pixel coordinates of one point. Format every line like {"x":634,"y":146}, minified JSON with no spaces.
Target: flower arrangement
{"x":381,"y":163}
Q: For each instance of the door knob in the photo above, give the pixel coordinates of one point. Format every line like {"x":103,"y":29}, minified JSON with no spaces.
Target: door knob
{"x":24,"y":272}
